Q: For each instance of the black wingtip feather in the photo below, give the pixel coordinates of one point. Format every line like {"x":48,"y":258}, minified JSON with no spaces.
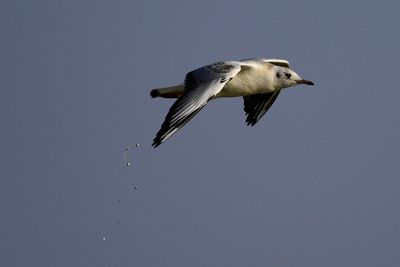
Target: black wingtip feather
{"x":255,"y":106}
{"x":156,"y":143}
{"x":250,"y":122}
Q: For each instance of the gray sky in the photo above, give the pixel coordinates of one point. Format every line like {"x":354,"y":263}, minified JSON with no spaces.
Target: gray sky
{"x":314,"y":183}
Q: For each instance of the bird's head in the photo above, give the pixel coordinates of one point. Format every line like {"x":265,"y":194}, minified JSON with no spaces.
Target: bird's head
{"x":286,"y":77}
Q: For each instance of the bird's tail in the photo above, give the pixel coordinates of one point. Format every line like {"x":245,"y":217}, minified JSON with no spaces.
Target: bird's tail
{"x":168,"y":92}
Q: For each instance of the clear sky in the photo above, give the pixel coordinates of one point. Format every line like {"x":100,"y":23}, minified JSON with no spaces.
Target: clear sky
{"x":314,"y":183}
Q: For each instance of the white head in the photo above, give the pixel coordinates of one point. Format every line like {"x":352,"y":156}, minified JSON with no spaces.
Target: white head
{"x":285,"y":77}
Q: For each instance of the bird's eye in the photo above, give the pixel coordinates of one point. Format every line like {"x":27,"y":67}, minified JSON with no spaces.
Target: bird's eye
{"x":288,"y":75}
{"x":278,"y":75}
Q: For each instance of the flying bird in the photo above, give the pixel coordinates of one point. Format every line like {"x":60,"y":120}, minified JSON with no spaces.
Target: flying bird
{"x":259,"y":81}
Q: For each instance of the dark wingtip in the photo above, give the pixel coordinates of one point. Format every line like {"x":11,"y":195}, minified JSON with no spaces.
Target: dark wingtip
{"x":154,"y":93}
{"x":156,"y":142}
{"x":250,"y":122}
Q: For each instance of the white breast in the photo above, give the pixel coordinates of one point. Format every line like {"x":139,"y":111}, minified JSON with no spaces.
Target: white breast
{"x":257,"y":79}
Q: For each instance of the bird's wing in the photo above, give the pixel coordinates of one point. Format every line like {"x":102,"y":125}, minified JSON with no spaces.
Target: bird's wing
{"x":278,"y":62}
{"x":256,"y":106}
{"x":200,"y":85}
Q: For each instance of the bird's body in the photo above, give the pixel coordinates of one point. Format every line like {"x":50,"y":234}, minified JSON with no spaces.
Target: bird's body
{"x":258,"y":81}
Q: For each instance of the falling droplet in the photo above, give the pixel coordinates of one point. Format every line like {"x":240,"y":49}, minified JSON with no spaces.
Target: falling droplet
{"x":128,"y":164}
{"x":127,"y":148}
{"x":137,"y":145}
{"x":104,"y":238}
{"x":136,"y":188}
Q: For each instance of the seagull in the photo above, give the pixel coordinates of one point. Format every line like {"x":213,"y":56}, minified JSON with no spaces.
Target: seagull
{"x":259,"y":81}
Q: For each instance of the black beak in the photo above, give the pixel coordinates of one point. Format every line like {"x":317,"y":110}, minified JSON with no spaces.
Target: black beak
{"x":305,"y":82}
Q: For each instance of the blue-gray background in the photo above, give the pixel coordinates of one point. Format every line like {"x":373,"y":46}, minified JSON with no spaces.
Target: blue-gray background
{"x":315,"y":183}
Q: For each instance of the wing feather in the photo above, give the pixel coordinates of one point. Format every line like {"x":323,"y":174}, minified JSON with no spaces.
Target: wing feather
{"x":278,"y":62}
{"x":200,"y":86}
{"x":256,"y":106}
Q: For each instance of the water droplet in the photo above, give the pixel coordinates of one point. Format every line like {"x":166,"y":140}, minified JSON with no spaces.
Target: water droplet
{"x":137,"y":145}
{"x":136,"y":188}
{"x":104,"y":238}
{"x":127,"y":148}
{"x":128,"y":164}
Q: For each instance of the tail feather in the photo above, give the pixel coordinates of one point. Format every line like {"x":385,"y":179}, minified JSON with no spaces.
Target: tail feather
{"x":168,"y":92}
{"x":155,"y":93}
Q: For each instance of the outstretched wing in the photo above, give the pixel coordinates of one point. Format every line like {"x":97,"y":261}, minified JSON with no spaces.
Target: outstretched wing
{"x":256,"y":106}
{"x":200,"y":86}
